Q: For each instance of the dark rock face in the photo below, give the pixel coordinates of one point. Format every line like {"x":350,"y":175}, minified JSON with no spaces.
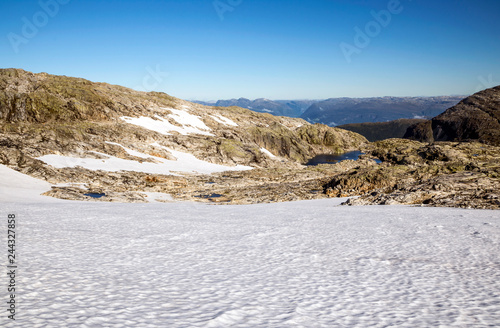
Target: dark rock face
{"x":420,"y":131}
{"x":382,"y":130}
{"x":474,"y":118}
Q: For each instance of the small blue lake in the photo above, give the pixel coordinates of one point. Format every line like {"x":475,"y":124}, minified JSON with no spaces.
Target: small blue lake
{"x":333,"y":159}
{"x":95,"y":195}
{"x":209,"y":196}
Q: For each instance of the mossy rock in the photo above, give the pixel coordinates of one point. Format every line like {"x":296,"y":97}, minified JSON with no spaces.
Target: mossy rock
{"x":41,"y":98}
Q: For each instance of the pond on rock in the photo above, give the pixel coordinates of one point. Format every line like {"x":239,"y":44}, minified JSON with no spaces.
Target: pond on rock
{"x":210,"y":196}
{"x":95,"y":195}
{"x":332,"y":159}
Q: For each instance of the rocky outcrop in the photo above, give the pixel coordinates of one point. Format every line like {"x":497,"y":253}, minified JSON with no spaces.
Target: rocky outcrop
{"x":474,"y":118}
{"x":412,"y":173}
{"x":42,"y":98}
{"x":462,"y":189}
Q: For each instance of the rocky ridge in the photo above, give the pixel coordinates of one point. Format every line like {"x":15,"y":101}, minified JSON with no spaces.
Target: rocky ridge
{"x":73,"y":121}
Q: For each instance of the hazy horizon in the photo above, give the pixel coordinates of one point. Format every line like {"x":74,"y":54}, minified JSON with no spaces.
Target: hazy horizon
{"x":305,"y":99}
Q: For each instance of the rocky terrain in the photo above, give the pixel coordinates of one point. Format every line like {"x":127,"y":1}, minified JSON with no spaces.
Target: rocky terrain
{"x":101,"y":142}
{"x":340,"y":111}
{"x":452,"y":174}
{"x":474,"y":118}
{"x":76,"y":134}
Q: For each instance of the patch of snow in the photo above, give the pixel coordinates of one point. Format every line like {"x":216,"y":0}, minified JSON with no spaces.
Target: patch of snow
{"x":159,"y":124}
{"x":223,"y":120}
{"x":191,"y":163}
{"x":71,"y":184}
{"x":190,"y":124}
{"x":186,"y":163}
{"x":188,"y":120}
{"x":158,"y":197}
{"x":267,"y":152}
{"x":129,"y":151}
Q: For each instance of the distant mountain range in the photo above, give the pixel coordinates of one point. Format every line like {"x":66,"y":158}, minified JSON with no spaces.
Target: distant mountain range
{"x":290,"y":108}
{"x":340,"y":111}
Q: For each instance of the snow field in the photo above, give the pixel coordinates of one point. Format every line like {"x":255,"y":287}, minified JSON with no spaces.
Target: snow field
{"x":16,"y":187}
{"x":302,"y":264}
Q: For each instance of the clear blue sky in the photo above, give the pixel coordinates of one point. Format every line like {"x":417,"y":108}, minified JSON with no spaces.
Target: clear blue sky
{"x":277,"y":49}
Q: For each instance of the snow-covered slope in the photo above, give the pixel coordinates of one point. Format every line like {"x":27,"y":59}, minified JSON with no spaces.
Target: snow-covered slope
{"x":302,"y":264}
{"x":16,"y":187}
